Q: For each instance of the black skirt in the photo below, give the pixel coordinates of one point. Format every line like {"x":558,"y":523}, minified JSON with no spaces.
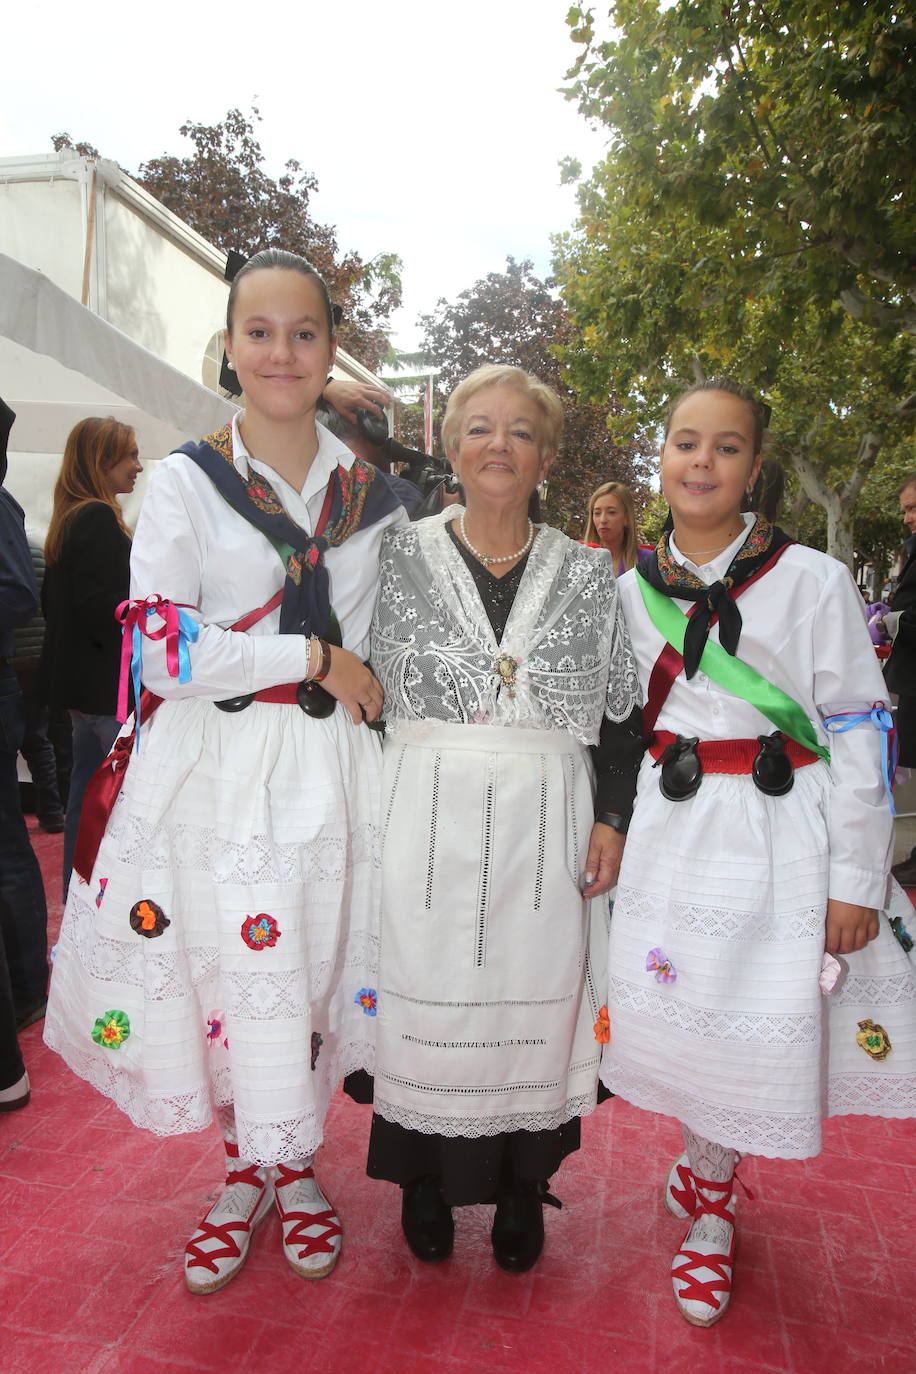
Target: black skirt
{"x":471,"y":1170}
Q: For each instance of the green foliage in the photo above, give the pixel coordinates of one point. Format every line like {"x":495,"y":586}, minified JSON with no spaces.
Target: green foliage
{"x":754,"y":214}
{"x":514,"y":317}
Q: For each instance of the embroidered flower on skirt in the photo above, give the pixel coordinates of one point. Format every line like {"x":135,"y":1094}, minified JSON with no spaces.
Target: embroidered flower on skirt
{"x":603,"y":1027}
{"x":367,"y":998}
{"x":659,"y":963}
{"x":103,"y":883}
{"x":873,"y":1039}
{"x":260,"y":932}
{"x":216,"y":1024}
{"x":111,"y":1029}
{"x":147,"y":918}
{"x":317,"y":1042}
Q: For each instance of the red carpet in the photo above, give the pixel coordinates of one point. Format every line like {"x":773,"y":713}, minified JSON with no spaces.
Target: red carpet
{"x":95,"y":1216}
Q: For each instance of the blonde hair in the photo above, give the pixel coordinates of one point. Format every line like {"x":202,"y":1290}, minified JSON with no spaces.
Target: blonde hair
{"x":545,"y":399}
{"x":625,"y":497}
{"x":93,"y":448}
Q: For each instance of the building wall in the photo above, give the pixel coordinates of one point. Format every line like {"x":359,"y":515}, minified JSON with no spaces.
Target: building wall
{"x":41,"y":224}
{"x":157,"y":292}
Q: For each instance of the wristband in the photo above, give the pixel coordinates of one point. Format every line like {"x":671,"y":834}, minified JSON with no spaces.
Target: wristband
{"x":324,"y":660}
{"x":615,"y":821}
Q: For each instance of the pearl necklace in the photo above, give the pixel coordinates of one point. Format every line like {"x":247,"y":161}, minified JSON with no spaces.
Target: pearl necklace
{"x":485,"y":558}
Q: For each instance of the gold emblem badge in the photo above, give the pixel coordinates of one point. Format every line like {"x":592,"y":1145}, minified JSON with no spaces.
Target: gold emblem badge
{"x":874,"y":1040}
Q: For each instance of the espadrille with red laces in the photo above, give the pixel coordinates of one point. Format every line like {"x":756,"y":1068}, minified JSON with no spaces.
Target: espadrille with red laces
{"x":217,"y":1250}
{"x":680,"y":1194}
{"x":312,"y":1233}
{"x":701,"y":1273}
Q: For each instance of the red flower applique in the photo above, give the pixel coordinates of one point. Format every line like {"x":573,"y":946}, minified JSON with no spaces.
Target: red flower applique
{"x":260,"y":932}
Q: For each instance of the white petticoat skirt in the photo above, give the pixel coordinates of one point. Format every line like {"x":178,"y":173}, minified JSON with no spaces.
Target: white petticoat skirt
{"x":731,"y":888}
{"x":492,"y":965}
{"x":254,"y":836}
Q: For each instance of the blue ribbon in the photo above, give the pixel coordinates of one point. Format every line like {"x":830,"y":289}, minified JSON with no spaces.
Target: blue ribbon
{"x":881,"y":718}
{"x":188,"y":631}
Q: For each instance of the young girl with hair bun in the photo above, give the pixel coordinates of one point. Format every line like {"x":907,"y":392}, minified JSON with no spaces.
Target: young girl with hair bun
{"x":760,"y":844}
{"x":219,"y":952}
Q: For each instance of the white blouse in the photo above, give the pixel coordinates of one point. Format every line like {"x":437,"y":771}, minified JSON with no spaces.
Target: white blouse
{"x":191,"y":547}
{"x":803,"y":628}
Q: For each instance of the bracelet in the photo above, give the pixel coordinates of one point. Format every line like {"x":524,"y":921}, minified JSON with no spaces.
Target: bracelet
{"x":615,"y":821}
{"x":324,"y":660}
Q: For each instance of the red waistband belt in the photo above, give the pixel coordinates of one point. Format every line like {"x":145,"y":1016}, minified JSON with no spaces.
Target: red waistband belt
{"x":731,"y":755}
{"x":284,"y":695}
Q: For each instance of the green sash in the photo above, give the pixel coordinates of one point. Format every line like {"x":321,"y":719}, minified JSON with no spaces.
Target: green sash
{"x":734,"y":674}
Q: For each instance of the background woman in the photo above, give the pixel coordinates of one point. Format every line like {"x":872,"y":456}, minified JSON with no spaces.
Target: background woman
{"x":611,"y":524}
{"x":88,"y":575}
{"x":501,"y":651}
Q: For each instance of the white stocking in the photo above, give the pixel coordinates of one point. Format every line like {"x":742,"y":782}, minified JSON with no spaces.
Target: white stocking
{"x":708,"y":1160}
{"x":716,"y":1164}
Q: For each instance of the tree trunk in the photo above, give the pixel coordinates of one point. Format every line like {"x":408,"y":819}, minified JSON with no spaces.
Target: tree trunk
{"x":839,"y":533}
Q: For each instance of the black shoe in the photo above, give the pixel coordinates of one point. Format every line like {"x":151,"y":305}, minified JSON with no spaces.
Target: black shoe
{"x":426,"y":1220}
{"x":518,"y":1227}
{"x":52,"y":823}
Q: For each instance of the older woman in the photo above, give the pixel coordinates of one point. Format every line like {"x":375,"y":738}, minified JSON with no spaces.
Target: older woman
{"x":501,"y":650}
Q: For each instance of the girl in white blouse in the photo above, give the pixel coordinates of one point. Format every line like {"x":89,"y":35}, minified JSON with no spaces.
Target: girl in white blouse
{"x":752,"y":849}
{"x":220,"y":951}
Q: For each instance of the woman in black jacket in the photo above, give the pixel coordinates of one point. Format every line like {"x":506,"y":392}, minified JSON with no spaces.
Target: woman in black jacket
{"x":88,"y":574}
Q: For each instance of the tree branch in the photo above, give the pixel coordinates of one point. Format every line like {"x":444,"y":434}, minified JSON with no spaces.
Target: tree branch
{"x":869,"y":446}
{"x":864,"y":308}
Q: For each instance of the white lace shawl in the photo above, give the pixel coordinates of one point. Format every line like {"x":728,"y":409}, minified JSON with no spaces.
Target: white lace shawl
{"x":434,"y":651}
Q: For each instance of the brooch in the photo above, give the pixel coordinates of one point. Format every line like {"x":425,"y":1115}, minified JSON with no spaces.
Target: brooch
{"x":507,"y":667}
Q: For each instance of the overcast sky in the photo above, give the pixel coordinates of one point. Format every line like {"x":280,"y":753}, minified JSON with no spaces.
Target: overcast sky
{"x":434,"y":130}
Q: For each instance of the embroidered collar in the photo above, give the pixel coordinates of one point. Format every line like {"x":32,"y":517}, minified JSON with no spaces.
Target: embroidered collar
{"x":354,"y":499}
{"x":716,"y":602}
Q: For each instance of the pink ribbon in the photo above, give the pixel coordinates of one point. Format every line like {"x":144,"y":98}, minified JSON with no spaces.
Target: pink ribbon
{"x":176,"y":629}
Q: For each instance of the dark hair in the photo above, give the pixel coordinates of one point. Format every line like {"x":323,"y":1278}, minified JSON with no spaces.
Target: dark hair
{"x":288,"y":262}
{"x":908,"y":481}
{"x":760,"y":411}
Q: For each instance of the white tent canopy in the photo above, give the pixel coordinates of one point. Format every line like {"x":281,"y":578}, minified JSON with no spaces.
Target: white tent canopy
{"x":60,"y":362}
